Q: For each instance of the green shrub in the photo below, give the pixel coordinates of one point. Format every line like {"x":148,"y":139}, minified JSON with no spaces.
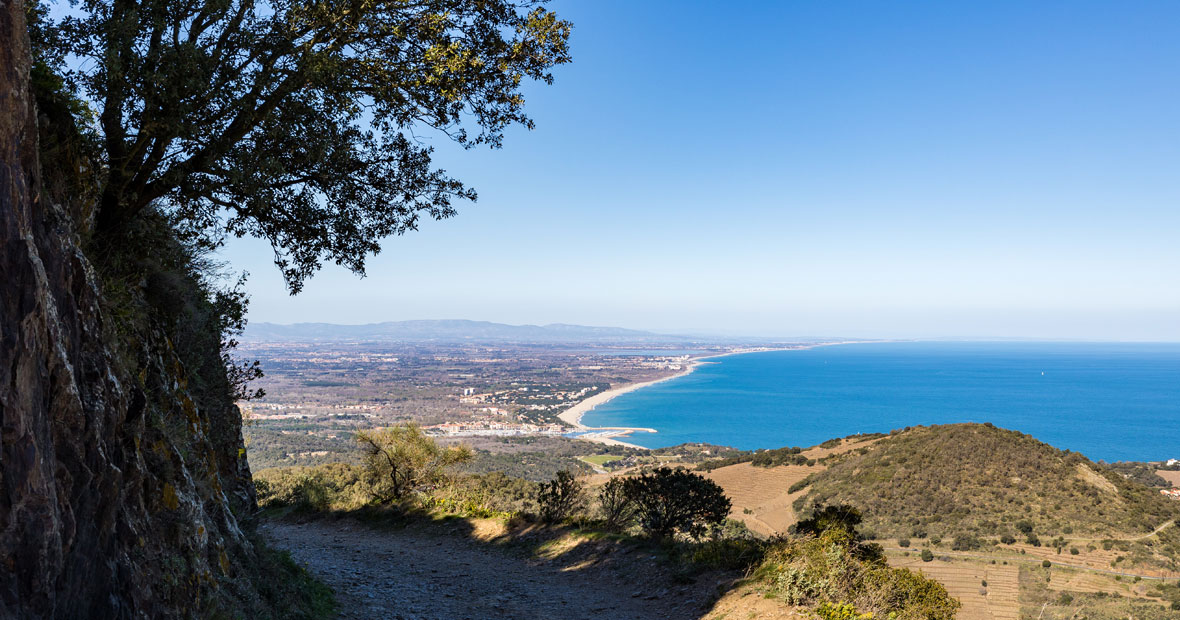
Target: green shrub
{"x":560,"y":497}
{"x":927,"y":556}
{"x":800,"y":485}
{"x":825,"y":573}
{"x":337,"y":486}
{"x":728,"y":553}
{"x":966,"y":542}
{"x":840,"y":611}
{"x":1046,"y":564}
{"x":617,"y":510}
{"x":903,"y":542}
{"x":402,"y":459}
{"x":668,"y":501}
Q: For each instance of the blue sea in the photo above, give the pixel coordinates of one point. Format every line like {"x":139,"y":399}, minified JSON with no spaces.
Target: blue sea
{"x":1109,"y":401}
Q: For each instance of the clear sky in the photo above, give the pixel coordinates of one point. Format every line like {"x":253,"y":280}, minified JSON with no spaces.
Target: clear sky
{"x":917,"y":169}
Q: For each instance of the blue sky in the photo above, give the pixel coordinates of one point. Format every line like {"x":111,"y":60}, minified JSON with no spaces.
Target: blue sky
{"x":812,"y":168}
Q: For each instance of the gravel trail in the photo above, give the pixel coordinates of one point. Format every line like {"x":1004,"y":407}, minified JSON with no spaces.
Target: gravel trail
{"x":441,"y":572}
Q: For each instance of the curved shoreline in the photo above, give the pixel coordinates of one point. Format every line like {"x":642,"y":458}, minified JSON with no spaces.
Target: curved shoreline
{"x":606,"y":434}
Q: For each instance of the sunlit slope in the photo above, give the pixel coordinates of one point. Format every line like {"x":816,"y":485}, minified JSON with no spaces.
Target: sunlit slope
{"x":981,"y":480}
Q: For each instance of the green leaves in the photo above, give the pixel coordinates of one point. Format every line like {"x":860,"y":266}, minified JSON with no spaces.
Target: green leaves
{"x":401,"y":459}
{"x":294,"y":120}
{"x":669,"y":500}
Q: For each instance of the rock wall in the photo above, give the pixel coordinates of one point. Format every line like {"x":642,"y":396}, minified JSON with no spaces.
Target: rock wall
{"x":122,"y":490}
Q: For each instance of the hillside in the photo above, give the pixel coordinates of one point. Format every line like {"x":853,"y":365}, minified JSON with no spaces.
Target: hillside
{"x":981,"y":480}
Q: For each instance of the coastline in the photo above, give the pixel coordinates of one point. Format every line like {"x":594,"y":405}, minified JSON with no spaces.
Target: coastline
{"x":608,"y":434}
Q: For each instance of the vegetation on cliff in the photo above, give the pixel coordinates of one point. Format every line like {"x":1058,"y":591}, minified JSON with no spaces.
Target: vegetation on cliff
{"x":126,"y":488}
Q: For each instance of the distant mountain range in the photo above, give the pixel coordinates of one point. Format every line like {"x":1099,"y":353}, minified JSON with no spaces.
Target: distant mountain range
{"x":450,"y":331}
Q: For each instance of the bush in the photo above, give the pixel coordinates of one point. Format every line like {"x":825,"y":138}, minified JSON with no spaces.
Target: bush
{"x":966,"y":542}
{"x":1046,"y":564}
{"x":560,"y":497}
{"x":780,"y":456}
{"x":802,"y":484}
{"x":728,"y":553}
{"x":489,"y":494}
{"x":336,"y":486}
{"x":1008,"y":539}
{"x":823,"y":573}
{"x":840,"y":611}
{"x":617,"y":510}
{"x":676,"y":500}
{"x":927,"y":556}
{"x":1074,"y":551}
{"x":903,"y":542}
{"x":402,"y":459}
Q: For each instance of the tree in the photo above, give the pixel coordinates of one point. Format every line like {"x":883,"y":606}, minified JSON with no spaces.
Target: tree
{"x":402,"y":459}
{"x":676,"y":500}
{"x":292,"y":120}
{"x":560,"y":497}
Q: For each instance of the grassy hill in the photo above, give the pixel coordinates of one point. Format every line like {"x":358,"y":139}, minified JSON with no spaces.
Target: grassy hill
{"x":980,"y":480}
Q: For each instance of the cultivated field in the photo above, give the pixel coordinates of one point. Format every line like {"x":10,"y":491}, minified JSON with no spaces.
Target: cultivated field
{"x":763,"y":491}
{"x":1170,"y":476}
{"x":964,"y":580}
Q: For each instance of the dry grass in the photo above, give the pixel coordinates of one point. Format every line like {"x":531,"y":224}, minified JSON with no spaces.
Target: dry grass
{"x":762,"y":490}
{"x":748,"y":602}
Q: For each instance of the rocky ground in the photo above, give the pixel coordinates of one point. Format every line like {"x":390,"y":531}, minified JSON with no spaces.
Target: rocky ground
{"x":467,"y":570}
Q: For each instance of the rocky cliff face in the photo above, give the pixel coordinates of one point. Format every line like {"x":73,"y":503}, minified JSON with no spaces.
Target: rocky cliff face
{"x":123,"y":483}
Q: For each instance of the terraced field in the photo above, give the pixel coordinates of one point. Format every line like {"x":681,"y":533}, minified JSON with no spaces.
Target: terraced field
{"x":1084,"y":581}
{"x":999,"y":600}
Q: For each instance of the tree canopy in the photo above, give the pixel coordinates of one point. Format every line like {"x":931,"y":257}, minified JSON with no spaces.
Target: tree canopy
{"x":295,"y":120}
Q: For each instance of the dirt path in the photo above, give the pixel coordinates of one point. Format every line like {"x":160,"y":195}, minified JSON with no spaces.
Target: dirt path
{"x":426,"y":573}
{"x":1157,"y":530}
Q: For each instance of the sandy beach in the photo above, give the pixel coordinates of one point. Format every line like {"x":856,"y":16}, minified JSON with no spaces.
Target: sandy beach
{"x":607,"y":435}
{"x":573,"y":415}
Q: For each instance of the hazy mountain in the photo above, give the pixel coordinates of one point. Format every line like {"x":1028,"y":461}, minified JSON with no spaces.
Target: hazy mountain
{"x":449,"y":331}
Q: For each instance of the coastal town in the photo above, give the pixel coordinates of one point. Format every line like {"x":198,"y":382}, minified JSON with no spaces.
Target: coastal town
{"x":319,"y":394}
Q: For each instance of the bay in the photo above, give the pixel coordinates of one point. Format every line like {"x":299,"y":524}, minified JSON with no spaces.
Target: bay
{"x":1110,"y":401}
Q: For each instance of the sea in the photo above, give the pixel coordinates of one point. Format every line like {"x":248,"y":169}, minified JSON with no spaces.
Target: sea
{"x":1109,"y":401}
